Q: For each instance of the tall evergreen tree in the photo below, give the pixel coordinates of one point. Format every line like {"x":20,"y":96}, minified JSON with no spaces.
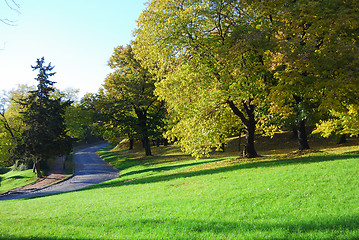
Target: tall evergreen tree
{"x":45,"y":133}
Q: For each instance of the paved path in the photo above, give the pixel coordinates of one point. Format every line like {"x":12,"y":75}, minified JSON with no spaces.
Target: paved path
{"x":90,"y":169}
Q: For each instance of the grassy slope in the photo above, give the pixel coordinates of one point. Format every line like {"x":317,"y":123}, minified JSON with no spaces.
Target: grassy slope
{"x":14,"y":179}
{"x":313,"y":196}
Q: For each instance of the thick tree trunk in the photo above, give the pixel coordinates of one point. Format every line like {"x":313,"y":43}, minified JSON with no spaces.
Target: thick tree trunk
{"x":142,"y":119}
{"x":302,"y":133}
{"x":302,"y":136}
{"x":342,"y":139}
{"x":131,"y":144}
{"x":147,"y":146}
{"x":249,"y":150}
{"x":250,"y":125}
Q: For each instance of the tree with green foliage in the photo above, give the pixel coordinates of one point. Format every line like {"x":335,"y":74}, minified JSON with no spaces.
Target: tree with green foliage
{"x":315,"y":58}
{"x":78,"y":122}
{"x":11,"y":124}
{"x":109,"y":121}
{"x":130,"y":102}
{"x":8,"y":133}
{"x":212,"y":59}
{"x":343,"y":123}
{"x":44,"y":135}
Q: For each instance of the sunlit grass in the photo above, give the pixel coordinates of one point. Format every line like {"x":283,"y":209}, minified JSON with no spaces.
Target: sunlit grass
{"x":310,"y":195}
{"x":14,"y":179}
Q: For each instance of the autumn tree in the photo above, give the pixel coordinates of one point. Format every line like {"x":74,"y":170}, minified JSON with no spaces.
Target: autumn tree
{"x":212,"y":57}
{"x":44,"y":135}
{"x":315,"y":58}
{"x":340,"y":123}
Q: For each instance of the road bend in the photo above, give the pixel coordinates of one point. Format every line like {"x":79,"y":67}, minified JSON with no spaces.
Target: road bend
{"x":90,"y":169}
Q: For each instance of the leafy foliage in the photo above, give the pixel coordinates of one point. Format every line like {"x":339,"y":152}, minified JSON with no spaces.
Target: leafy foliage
{"x":340,"y":123}
{"x":314,"y":58}
{"x":211,"y":57}
{"x":129,"y":105}
{"x":11,"y":123}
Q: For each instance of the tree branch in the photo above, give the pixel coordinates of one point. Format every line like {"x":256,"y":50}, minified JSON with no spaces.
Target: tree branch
{"x":236,"y":111}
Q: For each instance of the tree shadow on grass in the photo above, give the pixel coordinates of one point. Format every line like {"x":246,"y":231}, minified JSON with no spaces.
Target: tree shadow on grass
{"x":272,"y":227}
{"x":4,"y":170}
{"x":270,"y":163}
{"x":169,"y":168}
{"x":17,"y":177}
{"x":328,"y":227}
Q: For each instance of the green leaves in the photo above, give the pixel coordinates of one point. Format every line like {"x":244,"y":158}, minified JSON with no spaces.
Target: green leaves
{"x":129,"y":105}
{"x":345,"y":122}
{"x":206,"y":53}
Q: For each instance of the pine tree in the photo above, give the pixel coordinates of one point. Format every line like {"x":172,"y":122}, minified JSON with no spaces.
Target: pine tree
{"x":45,"y":134}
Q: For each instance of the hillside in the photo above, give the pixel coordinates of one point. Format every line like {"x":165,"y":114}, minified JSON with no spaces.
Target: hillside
{"x":312,"y":195}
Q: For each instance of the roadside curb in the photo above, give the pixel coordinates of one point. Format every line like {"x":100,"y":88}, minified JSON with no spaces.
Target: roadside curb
{"x":21,"y":190}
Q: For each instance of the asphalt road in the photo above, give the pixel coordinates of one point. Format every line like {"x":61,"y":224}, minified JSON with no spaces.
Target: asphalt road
{"x":90,"y":169}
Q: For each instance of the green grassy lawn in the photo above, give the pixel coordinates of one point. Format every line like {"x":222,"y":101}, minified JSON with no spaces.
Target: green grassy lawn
{"x":14,"y":179}
{"x":171,"y":196}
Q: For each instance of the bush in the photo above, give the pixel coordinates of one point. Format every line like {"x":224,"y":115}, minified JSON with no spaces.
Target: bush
{"x":20,"y":165}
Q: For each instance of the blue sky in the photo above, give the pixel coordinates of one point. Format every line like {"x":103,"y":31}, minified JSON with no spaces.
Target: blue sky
{"x":76,"y":36}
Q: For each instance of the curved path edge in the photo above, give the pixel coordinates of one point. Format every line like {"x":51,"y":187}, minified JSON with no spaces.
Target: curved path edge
{"x":90,"y":169}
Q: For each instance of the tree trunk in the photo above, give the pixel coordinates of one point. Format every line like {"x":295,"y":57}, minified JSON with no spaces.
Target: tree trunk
{"x":249,"y":150}
{"x":37,"y":168}
{"x":146,"y":143}
{"x":302,"y":136}
{"x":239,"y":141}
{"x":342,"y":139}
{"x":294,"y":132}
{"x":131,"y":144}
{"x":142,"y":119}
{"x":222,"y":148}
{"x":302,"y":133}
{"x":250,"y":125}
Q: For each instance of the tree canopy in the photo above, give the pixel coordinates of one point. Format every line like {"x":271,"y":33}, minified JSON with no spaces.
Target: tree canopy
{"x":213,"y":58}
{"x":264,"y":63}
{"x":129,"y":102}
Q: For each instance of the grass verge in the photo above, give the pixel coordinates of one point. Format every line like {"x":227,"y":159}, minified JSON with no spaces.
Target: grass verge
{"x":14,"y":179}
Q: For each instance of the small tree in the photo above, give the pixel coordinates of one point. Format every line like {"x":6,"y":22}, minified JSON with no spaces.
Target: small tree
{"x":45,"y":132}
